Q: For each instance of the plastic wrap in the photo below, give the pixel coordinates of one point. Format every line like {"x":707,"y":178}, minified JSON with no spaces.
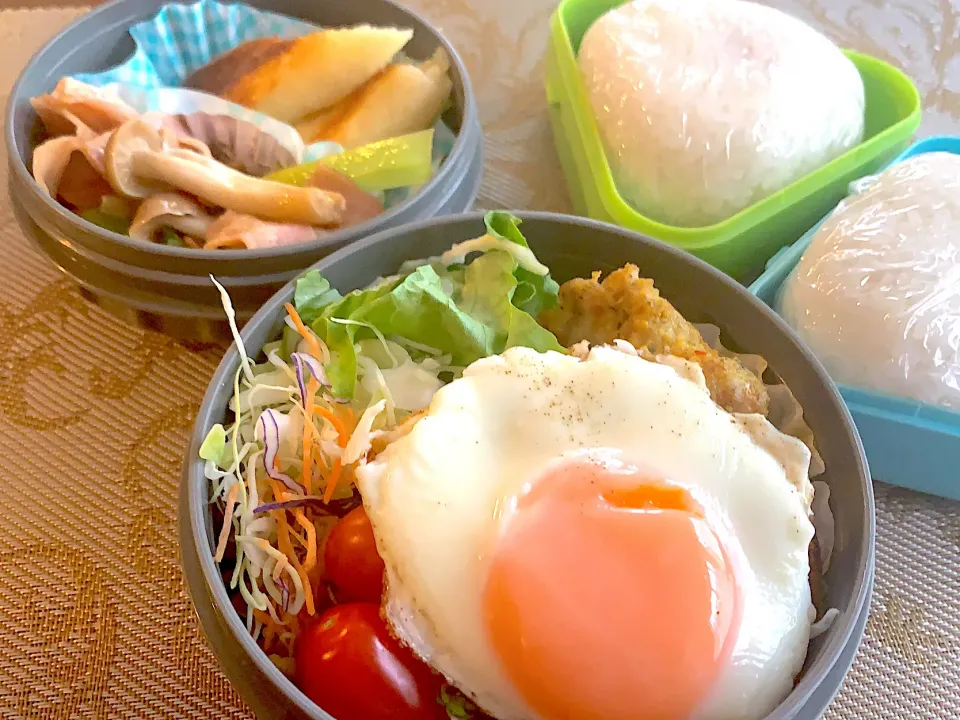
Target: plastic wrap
{"x":877,"y":294}
{"x":708,"y":106}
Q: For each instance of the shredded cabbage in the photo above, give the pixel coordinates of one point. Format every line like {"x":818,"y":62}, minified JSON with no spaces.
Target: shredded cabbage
{"x":214,"y":444}
{"x":347,"y":369}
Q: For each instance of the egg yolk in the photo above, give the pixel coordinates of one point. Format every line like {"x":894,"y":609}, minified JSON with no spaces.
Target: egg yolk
{"x":609,"y":603}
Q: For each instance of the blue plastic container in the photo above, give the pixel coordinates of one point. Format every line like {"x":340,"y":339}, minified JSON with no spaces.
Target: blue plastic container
{"x":911,"y":444}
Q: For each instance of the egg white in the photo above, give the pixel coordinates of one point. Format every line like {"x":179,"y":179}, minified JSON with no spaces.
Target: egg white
{"x":433,"y":495}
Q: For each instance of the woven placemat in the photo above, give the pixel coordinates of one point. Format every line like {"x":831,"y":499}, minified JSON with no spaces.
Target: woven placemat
{"x":94,"y":415}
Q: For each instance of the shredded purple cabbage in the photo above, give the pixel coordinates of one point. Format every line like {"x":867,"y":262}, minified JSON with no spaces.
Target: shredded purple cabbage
{"x":271,"y":446}
{"x":288,"y":504}
{"x":298,"y":371}
{"x":314,"y":365}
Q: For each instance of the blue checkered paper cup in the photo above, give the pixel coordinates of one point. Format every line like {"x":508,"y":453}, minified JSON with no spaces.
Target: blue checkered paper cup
{"x":181,"y":39}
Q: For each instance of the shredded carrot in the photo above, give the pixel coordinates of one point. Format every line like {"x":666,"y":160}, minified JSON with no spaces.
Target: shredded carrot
{"x":336,"y":422}
{"x":304,"y":332}
{"x":227,"y":521}
{"x":311,"y":542}
{"x":342,"y":439}
{"x":279,"y":568}
{"x":332,"y":481}
{"x":296,"y":536}
{"x":265,"y":619}
{"x":286,"y":547}
{"x":306,"y":476}
{"x":342,"y":435}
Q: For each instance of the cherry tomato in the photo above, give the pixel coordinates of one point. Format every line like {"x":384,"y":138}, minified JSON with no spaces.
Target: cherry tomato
{"x":351,"y":559}
{"x":350,"y":665}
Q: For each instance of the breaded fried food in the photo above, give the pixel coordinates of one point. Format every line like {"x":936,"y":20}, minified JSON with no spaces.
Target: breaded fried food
{"x":628,"y":307}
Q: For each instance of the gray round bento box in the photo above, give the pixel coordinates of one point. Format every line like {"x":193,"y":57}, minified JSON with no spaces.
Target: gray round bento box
{"x":168,"y":288}
{"x":571,"y":247}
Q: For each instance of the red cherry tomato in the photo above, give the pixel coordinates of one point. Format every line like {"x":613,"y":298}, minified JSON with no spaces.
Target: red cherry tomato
{"x":351,"y":559}
{"x":350,"y":665}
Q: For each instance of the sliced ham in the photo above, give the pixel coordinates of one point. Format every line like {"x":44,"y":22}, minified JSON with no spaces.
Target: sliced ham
{"x":73,"y":101}
{"x":235,"y":231}
{"x":360,"y":205}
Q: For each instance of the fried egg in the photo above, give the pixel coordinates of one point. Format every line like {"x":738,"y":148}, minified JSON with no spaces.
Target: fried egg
{"x":594,"y":538}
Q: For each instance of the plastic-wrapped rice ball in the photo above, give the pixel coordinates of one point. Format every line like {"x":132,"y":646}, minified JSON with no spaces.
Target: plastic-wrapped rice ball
{"x":708,"y":106}
{"x":876,"y":296}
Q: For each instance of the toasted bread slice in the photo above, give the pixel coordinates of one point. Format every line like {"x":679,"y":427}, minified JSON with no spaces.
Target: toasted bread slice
{"x":319,"y":123}
{"x":402,"y":99}
{"x":225,"y":71}
{"x":315,"y":124}
{"x":318,"y":70}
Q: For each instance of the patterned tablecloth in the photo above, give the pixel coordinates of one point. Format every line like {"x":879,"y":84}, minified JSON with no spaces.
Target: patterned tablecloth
{"x":94,"y":618}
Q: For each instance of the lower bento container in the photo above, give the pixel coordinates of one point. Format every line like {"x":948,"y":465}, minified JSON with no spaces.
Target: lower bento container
{"x":168,"y":288}
{"x":741,"y":244}
{"x":571,"y":247}
{"x":911,"y":444}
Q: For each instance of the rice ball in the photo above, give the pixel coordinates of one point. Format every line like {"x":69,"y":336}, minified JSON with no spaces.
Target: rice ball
{"x":708,"y":106}
{"x":876,"y":296}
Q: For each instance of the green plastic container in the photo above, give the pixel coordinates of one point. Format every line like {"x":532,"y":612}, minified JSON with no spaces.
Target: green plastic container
{"x":742,"y":244}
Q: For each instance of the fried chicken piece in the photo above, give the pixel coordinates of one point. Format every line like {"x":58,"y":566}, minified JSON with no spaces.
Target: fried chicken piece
{"x":628,"y":307}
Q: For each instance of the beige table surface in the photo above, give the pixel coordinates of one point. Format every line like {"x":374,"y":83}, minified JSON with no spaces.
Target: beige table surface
{"x":94,"y":415}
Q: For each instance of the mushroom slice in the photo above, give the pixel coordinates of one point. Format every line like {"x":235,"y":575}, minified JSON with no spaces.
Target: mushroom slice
{"x":73,"y":101}
{"x":131,"y":140}
{"x":235,"y":230}
{"x":171,"y":135}
{"x":137,"y":166}
{"x":169,"y":210}
{"x":236,"y":143}
{"x":216,"y":184}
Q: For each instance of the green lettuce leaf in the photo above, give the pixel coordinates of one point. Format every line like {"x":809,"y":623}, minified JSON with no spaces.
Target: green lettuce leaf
{"x":535,"y":293}
{"x":312,"y":294}
{"x":466,"y":311}
{"x":488,"y":293}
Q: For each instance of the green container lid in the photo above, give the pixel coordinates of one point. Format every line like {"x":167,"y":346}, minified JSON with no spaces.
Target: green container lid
{"x":741,"y":244}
